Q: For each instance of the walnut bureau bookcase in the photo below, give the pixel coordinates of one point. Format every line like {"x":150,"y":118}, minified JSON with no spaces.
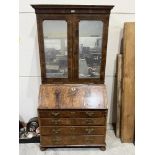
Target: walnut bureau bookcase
{"x":72,"y":108}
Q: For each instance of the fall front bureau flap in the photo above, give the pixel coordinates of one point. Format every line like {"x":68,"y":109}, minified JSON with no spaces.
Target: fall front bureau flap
{"x":72,"y":96}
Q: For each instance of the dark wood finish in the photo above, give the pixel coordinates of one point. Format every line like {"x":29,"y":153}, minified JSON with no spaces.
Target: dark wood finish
{"x":72,"y":14}
{"x":72,"y":140}
{"x":72,"y":111}
{"x":67,"y":9}
{"x":69,"y":126}
{"x":73,"y":130}
{"x":73,"y":96}
{"x":128,"y":85}
{"x":72,"y":121}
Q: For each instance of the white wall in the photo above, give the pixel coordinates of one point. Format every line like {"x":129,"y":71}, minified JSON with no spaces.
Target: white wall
{"x":29,"y":54}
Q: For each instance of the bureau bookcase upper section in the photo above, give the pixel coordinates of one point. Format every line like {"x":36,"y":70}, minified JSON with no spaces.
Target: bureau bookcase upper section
{"x":72,"y":42}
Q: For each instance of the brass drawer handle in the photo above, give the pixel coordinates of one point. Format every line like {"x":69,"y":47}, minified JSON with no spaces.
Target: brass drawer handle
{"x":73,"y":138}
{"x":72,"y":112}
{"x":56,"y":139}
{"x":89,"y":114}
{"x":89,"y":130}
{"x":55,"y":114}
{"x":56,"y":131}
{"x":89,"y":139}
{"x":89,"y":121}
{"x":55,"y":121}
{"x":72,"y":130}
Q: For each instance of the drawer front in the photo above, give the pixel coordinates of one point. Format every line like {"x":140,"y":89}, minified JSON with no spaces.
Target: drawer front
{"x":71,"y":113}
{"x":72,"y":121}
{"x":73,"y":130}
{"x":72,"y":140}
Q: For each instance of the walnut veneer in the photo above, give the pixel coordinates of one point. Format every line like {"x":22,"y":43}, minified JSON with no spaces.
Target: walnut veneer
{"x":72,"y":115}
{"x":73,"y":105}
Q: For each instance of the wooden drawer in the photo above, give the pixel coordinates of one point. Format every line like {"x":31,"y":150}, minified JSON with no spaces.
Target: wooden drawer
{"x":71,"y":113}
{"x":73,"y":130}
{"x":72,"y":140}
{"x":72,"y":121}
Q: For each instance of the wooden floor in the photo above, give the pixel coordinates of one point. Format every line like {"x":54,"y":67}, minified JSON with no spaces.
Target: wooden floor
{"x":114,"y":147}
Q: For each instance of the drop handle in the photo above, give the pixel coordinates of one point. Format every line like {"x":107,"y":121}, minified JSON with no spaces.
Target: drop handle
{"x":89,"y":140}
{"x":72,"y":130}
{"x":56,"y":131}
{"x":73,"y":138}
{"x":55,"y":121}
{"x":72,"y":113}
{"x":56,"y":139}
{"x":55,"y":114}
{"x":90,"y":114}
{"x":89,"y":121}
{"x":89,"y":130}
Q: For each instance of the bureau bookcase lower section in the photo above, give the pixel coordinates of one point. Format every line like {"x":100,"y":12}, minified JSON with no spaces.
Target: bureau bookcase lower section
{"x":72,"y":128}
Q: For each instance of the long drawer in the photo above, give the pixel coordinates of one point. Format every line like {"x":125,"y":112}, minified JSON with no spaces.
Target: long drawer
{"x":72,"y":140}
{"x":71,"y":113}
{"x":72,"y":121}
{"x":73,"y":130}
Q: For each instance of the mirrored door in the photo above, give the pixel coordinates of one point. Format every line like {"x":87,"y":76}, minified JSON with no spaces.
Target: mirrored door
{"x":90,"y":48}
{"x":55,"y":48}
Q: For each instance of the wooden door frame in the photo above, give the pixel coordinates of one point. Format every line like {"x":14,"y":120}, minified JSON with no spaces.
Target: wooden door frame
{"x":94,"y":17}
{"x":92,"y":12}
{"x":40,"y":19}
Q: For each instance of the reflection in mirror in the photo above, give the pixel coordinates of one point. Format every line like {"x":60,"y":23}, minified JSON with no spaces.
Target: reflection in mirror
{"x":55,"y":47}
{"x":90,"y":48}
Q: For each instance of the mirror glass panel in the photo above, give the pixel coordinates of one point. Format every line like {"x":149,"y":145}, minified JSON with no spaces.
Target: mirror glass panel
{"x":90,"y":48}
{"x":55,"y":48}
